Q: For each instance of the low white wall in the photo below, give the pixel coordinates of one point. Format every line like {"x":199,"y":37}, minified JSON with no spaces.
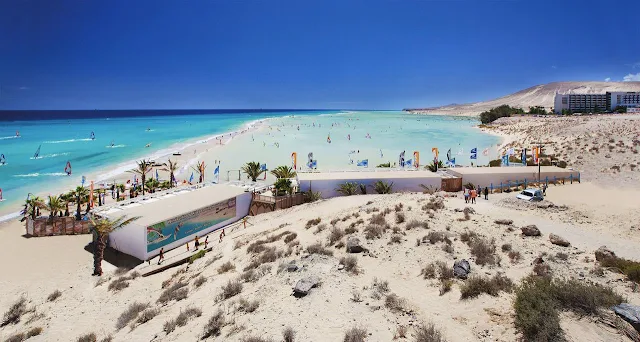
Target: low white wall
{"x":132,"y":239}
{"x":327,"y":187}
{"x":487,"y":179}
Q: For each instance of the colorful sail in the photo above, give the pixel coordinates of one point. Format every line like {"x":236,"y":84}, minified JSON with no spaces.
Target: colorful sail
{"x":216,"y":175}
{"x":449,"y":155}
{"x":416,"y":157}
{"x":523,"y":156}
{"x":294,"y":160}
{"x":536,"y":155}
{"x":67,"y":168}
{"x":92,"y":136}
{"x":363,"y":163}
{"x":329,"y":138}
{"x":435,"y":152}
{"x":401,"y":159}
{"x":35,"y":155}
{"x":3,"y":160}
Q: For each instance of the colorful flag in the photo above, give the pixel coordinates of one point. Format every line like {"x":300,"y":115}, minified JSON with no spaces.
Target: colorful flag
{"x":435,"y":152}
{"x":449,"y":155}
{"x":536,"y":155}
{"x":191,"y":178}
{"x":524,"y":156}
{"x":401,"y":159}
{"x":408,"y":163}
{"x":84,"y":179}
{"x":157,"y":176}
{"x":216,"y":174}
{"x":474,"y":156}
{"x":511,"y":152}
{"x":451,"y":162}
{"x":263,"y":167}
{"x":363,"y":163}
{"x":474,"y":150}
{"x":505,"y":160}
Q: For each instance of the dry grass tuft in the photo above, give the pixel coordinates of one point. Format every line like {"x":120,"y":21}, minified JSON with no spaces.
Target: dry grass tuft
{"x":313,"y":222}
{"x":400,"y":217}
{"x":146,"y":316}
{"x":226,"y":267}
{"x":445,"y":286}
{"x":477,"y":285}
{"x":482,"y":249}
{"x":317,"y":248}
{"x":506,"y":247}
{"x":232,"y":288}
{"x":514,"y":256}
{"x":427,"y":332}
{"x":288,"y":335}
{"x":374,"y":231}
{"x":415,"y":224}
{"x":395,"y":239}
{"x":350,"y":264}
{"x":199,"y":281}
{"x":15,"y":312}
{"x":247,"y":306}
{"x":290,"y":237}
{"x":214,"y":325}
{"x":394,"y":303}
{"x":355,"y":334}
{"x":119,"y":284}
{"x":54,"y":295}
{"x":130,"y":314}
{"x":335,"y":235}
{"x":182,"y":319}
{"x":90,"y":337}
{"x":177,"y":292}
{"x":378,"y":219}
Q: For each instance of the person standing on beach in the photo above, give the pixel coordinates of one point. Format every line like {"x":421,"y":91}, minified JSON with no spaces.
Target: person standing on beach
{"x":486,"y":193}
{"x":206,"y":242}
{"x":473,"y":196}
{"x":161,"y":256}
{"x":466,"y":195}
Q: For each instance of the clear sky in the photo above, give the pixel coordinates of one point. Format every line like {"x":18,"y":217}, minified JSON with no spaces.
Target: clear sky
{"x":345,"y":54}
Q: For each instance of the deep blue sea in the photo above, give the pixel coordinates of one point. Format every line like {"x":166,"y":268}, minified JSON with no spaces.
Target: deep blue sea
{"x":65,"y":136}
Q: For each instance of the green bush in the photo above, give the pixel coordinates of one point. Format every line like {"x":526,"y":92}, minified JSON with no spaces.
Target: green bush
{"x":197,"y":256}
{"x":476,"y":285}
{"x":629,"y":268}
{"x":562,"y":164}
{"x":495,"y":162}
{"x":498,"y":112}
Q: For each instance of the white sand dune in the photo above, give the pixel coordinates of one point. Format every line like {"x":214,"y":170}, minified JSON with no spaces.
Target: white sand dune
{"x":539,"y":95}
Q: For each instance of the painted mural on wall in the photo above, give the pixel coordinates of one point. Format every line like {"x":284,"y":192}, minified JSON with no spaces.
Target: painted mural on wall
{"x":174,"y":229}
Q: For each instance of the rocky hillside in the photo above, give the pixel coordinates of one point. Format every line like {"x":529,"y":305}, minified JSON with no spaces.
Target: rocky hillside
{"x":540,"y":95}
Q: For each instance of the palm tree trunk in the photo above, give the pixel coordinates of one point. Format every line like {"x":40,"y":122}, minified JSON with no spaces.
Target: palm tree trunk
{"x":99,"y":199}
{"x":98,"y":254}
{"x":66,"y":212}
{"x":143,"y":179}
{"x":171,"y":180}
{"x":78,"y":210}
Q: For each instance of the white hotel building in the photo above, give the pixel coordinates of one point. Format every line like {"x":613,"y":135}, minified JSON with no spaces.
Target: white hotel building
{"x":581,"y":103}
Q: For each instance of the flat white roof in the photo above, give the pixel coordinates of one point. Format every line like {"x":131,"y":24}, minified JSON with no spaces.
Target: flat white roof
{"x":509,"y":170}
{"x":353,"y":175}
{"x":164,"y":207}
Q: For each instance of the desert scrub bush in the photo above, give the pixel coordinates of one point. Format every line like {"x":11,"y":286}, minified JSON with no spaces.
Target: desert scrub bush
{"x":255,"y":339}
{"x":562,"y":256}
{"x":394,"y":303}
{"x":378,"y":219}
{"x":355,"y":334}
{"x":483,"y":250}
{"x":514,"y":256}
{"x":434,"y":237}
{"x":313,"y":222}
{"x":400,"y":217}
{"x":448,"y":248}
{"x":130,"y":314}
{"x":379,"y":288}
{"x":467,"y":236}
{"x":415,"y":224}
{"x":35,"y":331}
{"x":350,"y":230}
{"x":317,"y":248}
{"x":583,"y":298}
{"x":335,"y":235}
{"x":334,"y":221}
{"x":197,"y":256}
{"x":177,"y":292}
{"x":119,"y":284}
{"x":247,"y":306}
{"x":434,"y":204}
{"x":226,"y":267}
{"x":15,"y":312}
{"x":90,"y":337}
{"x":290,"y":237}
{"x":199,"y":281}
{"x":288,"y":335}
{"x":374,"y":231}
{"x":17,"y":337}
{"x":320,"y":228}
{"x":401,"y":332}
{"x":506,"y":247}
{"x":398,"y":207}
{"x":629,"y":268}
{"x":145,"y":316}
{"x":477,"y":285}
{"x":427,"y":332}
{"x":542,"y":270}
{"x":350,"y":264}
{"x":445,"y":286}
{"x":232,"y":288}
{"x":598,"y":271}
{"x":429,"y":272}
{"x":395,"y":238}
{"x":256,"y":247}
{"x":54,"y":295}
{"x":212,"y":260}
{"x":214,"y":325}
{"x":182,"y":319}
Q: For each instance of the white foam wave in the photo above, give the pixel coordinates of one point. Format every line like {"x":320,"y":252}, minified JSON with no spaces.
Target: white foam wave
{"x":11,"y":137}
{"x":115,"y":146}
{"x":36,"y":174}
{"x":50,"y":155}
{"x":9,"y":216}
{"x":65,"y":141}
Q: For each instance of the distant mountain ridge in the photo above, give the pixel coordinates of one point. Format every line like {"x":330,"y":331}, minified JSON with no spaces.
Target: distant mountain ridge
{"x":539,"y":95}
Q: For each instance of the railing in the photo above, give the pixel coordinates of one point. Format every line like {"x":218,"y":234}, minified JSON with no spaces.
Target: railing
{"x":280,"y":202}
{"x":532,"y":182}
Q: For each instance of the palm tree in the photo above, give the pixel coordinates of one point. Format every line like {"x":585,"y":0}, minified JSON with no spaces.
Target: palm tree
{"x":200,"y":170}
{"x":102,"y":227}
{"x":152,"y":184}
{"x":33,"y":205}
{"x":80,"y":193}
{"x":252,"y":170}
{"x":119,"y":189}
{"x":283,"y":187}
{"x":66,"y":198}
{"x":54,"y":206}
{"x":99,"y":192}
{"x":383,"y":187}
{"x":348,"y":188}
{"x":171,"y":167}
{"x":144,"y":167}
{"x":166,"y":185}
{"x":363,"y":189}
{"x":283,"y":172}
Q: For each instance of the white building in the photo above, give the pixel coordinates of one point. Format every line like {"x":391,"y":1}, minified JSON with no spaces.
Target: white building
{"x":172,"y":219}
{"x":580,"y":103}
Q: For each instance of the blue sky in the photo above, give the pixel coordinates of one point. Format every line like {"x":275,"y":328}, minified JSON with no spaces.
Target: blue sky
{"x":365,"y":54}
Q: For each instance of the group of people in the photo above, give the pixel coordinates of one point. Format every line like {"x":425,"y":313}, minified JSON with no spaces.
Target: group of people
{"x":470,"y":195}
{"x":196,"y":243}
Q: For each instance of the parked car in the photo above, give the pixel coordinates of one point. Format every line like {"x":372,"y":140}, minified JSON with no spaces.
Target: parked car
{"x":533,"y":195}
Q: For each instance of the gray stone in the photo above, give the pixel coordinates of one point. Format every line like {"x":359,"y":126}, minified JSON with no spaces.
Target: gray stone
{"x":604,"y":253}
{"x":340,"y":267}
{"x":630,"y":313}
{"x":292,"y":267}
{"x":504,"y":221}
{"x":354,"y":246}
{"x":461,"y":269}
{"x":304,"y":285}
{"x":530,"y":230}
{"x":559,"y":240}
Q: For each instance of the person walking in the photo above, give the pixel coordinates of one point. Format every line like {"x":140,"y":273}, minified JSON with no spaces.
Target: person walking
{"x":466,"y":195}
{"x":206,"y":242}
{"x":473,"y":196}
{"x":486,"y":193}
{"x":161,"y":256}
{"x":196,"y":243}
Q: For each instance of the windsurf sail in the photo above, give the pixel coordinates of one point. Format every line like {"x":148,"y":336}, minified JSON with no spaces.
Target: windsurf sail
{"x":35,"y":155}
{"x":3,"y":160}
{"x":67,"y":168}
{"x":329,"y":138}
{"x":1,"y":199}
{"x":92,"y":136}
{"x":363,"y":163}
{"x":401,"y":159}
{"x":17,"y":133}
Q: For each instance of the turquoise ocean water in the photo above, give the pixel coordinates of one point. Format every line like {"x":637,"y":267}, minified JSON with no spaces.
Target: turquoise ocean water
{"x":119,"y":140}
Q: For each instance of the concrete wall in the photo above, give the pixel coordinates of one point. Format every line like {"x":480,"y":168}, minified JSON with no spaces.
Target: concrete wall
{"x":327,"y":187}
{"x":487,"y":179}
{"x":132,"y":239}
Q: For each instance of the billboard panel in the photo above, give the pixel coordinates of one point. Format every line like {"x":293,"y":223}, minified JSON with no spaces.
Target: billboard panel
{"x":174,"y":229}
